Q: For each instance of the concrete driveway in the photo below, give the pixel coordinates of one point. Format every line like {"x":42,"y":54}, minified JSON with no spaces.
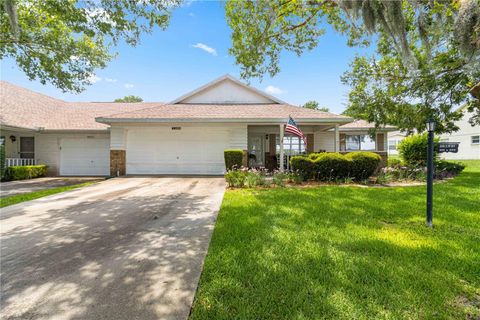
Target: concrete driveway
{"x":125,"y":248}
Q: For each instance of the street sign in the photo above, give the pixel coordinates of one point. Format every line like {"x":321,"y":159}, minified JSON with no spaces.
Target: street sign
{"x":448,"y":147}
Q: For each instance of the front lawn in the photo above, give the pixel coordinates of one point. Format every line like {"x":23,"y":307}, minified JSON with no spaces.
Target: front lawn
{"x":345,"y":252}
{"x":8,"y":201}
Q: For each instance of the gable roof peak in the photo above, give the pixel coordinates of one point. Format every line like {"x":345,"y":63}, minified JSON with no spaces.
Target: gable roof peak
{"x":261,"y":97}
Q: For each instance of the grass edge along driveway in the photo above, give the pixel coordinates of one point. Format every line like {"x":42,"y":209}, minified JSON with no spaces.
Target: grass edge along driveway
{"x":11,"y":200}
{"x":334,"y":252}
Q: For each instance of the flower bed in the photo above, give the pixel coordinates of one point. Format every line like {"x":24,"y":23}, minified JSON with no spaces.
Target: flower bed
{"x":398,"y":171}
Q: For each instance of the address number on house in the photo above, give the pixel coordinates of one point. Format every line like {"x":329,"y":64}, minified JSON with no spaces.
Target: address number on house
{"x":448,"y":147}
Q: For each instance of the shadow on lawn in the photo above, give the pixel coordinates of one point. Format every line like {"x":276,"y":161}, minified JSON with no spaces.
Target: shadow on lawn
{"x":339,"y":252}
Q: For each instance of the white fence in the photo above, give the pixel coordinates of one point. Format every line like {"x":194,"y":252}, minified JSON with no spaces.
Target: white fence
{"x":10,"y":162}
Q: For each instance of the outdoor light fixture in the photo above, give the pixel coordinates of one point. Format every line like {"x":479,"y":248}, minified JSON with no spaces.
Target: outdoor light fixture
{"x":13,"y":138}
{"x":430,"y":129}
{"x":430,"y":125}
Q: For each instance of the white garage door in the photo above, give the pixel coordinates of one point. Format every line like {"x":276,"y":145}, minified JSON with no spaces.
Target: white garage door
{"x":176,"y":150}
{"x":85,"y":157}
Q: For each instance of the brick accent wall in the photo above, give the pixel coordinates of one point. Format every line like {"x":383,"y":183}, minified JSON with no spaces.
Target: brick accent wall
{"x":117,"y":162}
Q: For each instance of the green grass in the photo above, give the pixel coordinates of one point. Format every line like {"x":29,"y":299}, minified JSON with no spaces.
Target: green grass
{"x":344,"y":252}
{"x":8,"y":201}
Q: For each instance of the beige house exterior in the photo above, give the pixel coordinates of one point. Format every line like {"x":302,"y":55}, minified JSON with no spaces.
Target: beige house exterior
{"x":185,"y":136}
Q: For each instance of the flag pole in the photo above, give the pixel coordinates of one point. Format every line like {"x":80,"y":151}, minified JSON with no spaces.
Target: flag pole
{"x":282,"y":132}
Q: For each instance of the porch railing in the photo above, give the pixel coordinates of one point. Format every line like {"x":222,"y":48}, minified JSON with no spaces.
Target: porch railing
{"x":10,"y":162}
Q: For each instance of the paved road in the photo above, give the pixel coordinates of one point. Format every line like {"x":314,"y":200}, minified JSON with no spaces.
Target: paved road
{"x":125,"y":248}
{"x":12,"y":188}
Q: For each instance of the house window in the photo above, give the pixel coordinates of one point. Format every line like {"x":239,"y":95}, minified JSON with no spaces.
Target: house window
{"x":392,"y":145}
{"x":292,"y":145}
{"x":475,"y":139}
{"x":359,"y":142}
{"x":2,"y":140}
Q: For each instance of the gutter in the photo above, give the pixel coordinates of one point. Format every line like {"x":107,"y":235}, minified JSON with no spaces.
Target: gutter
{"x":228,"y":120}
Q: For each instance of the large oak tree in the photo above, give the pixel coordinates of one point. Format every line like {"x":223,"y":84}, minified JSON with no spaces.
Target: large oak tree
{"x":426,"y":59}
{"x":64,"y":41}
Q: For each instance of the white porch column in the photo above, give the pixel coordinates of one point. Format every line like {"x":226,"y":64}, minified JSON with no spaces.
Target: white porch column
{"x":282,"y":155}
{"x":337,"y":139}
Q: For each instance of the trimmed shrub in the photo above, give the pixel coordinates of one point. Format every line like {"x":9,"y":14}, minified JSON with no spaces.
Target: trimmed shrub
{"x":315,"y":156}
{"x":25,"y":172}
{"x":364,"y":164}
{"x":413,"y":149}
{"x":2,"y":161}
{"x":233,"y":158}
{"x":304,"y":166}
{"x":331,"y":166}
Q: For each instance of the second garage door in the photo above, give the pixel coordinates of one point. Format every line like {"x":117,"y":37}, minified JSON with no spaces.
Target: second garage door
{"x":84,"y":157}
{"x":176,"y":150}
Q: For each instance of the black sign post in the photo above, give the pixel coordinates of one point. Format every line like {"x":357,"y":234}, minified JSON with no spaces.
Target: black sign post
{"x":430,"y":150}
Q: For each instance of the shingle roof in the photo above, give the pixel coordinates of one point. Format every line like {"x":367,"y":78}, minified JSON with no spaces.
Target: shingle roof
{"x":363,"y":124}
{"x":21,"y":107}
{"x":220,"y":111}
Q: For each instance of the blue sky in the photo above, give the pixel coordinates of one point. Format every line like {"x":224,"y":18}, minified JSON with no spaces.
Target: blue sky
{"x":194,"y":51}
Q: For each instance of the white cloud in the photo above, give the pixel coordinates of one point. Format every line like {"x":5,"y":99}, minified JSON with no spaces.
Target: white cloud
{"x":110,"y":79}
{"x":191,"y":14}
{"x":274,"y":90}
{"x":128,"y":86}
{"x":205,"y":48}
{"x":93,"y":78}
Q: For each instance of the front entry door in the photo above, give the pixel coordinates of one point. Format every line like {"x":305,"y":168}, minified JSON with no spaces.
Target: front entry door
{"x":256,"y":150}
{"x":27,"y":147}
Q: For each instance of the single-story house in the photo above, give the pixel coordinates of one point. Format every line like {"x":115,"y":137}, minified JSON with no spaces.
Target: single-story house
{"x":185,"y":136}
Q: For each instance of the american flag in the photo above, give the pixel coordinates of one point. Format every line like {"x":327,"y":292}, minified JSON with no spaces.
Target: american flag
{"x":293,"y":129}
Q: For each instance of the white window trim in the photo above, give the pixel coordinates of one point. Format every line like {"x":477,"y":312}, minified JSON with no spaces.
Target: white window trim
{"x":478,"y":138}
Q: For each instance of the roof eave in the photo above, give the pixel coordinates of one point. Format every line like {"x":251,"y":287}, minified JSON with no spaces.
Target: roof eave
{"x":216,"y":120}
{"x":366,"y":128}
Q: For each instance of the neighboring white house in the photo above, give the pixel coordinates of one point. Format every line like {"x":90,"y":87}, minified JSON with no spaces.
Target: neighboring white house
{"x":468,"y":136}
{"x":394,"y":138}
{"x":185,"y":136}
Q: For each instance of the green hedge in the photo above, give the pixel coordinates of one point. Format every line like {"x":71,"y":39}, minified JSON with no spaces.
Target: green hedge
{"x":233,"y":158}
{"x":364,"y":164}
{"x":413,"y":149}
{"x":331,"y":166}
{"x":25,"y":172}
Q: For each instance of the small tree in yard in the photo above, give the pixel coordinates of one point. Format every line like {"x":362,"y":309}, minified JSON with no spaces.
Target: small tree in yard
{"x":413,"y":149}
